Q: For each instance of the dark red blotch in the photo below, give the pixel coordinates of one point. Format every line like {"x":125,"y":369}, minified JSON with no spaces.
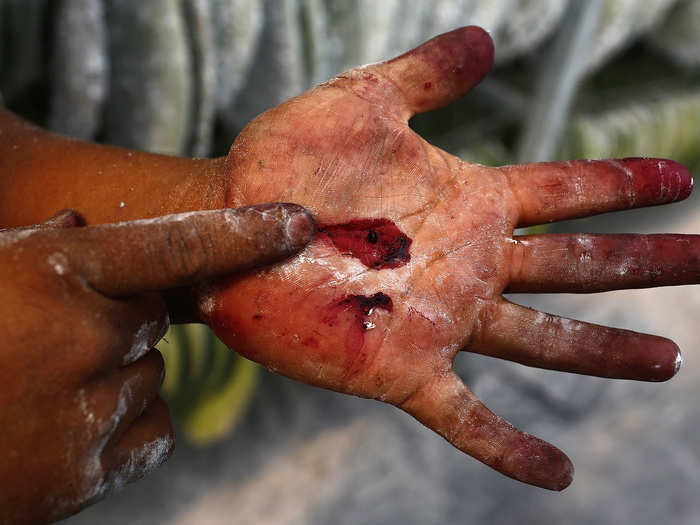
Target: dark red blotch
{"x":360,"y":307}
{"x":377,"y":243}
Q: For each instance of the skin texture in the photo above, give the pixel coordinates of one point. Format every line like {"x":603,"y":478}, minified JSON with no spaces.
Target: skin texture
{"x":345,"y":151}
{"x":331,"y":318}
{"x":80,"y":410}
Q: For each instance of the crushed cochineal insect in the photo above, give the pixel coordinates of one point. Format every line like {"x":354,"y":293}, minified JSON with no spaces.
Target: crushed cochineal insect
{"x":359,"y":308}
{"x":377,"y":243}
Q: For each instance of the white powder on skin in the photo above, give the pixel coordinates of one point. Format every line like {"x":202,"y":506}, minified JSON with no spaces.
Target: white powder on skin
{"x":142,"y":460}
{"x":59,"y":262}
{"x":141,"y":343}
{"x":94,"y":479}
{"x":10,"y":237}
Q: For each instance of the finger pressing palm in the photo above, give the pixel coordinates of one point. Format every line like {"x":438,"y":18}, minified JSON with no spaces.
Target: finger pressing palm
{"x":415,"y":248}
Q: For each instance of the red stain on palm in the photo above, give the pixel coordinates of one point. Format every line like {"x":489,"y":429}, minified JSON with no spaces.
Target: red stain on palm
{"x":311,"y":342}
{"x":377,"y":243}
{"x":359,"y":308}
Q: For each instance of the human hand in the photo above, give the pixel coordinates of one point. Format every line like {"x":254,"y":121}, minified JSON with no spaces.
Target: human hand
{"x":79,"y":407}
{"x":416,"y":247}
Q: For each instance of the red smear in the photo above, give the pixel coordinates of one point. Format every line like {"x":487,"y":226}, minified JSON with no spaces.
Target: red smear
{"x":359,"y":308}
{"x":412,"y":311}
{"x":377,"y":243}
{"x":310,"y":342}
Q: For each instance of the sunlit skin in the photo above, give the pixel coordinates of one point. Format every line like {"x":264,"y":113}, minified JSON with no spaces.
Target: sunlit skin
{"x":331,"y":318}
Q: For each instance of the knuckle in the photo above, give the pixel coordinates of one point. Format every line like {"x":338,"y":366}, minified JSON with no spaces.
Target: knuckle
{"x":190,"y":251}
{"x":89,"y":343}
{"x":145,"y":337}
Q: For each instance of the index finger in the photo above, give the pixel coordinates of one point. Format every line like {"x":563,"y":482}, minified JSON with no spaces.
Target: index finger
{"x":127,"y":258}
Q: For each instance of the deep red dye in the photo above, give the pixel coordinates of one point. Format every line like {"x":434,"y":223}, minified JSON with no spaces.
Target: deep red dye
{"x":377,"y":243}
{"x":659,"y":181}
{"x":359,"y":307}
{"x":311,"y":342}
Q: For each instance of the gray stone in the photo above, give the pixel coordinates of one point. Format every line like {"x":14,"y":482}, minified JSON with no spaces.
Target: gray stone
{"x":151,"y":88}
{"x":622,"y":22}
{"x":525,"y":25}
{"x":677,"y":36}
{"x":198,"y":17}
{"x":277,"y":69}
{"x":23,"y":55}
{"x":237,"y":27}
{"x":79,"y":69}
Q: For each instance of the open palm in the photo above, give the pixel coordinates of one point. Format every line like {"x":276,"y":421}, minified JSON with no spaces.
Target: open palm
{"x":415,"y":248}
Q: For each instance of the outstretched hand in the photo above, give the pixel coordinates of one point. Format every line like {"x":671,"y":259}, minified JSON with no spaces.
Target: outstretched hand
{"x":80,"y":313}
{"x":416,"y":247}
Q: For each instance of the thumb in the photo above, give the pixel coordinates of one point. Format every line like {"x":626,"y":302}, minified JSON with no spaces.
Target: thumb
{"x":440,"y":70}
{"x":178,"y":250}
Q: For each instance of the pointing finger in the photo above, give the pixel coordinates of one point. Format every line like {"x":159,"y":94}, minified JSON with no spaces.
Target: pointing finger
{"x":178,"y":250}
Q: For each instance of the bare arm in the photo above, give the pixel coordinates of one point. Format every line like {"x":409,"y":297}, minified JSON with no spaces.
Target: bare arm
{"x":41,"y":172}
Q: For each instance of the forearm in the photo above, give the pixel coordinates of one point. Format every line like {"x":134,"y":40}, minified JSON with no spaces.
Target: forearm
{"x":41,"y":173}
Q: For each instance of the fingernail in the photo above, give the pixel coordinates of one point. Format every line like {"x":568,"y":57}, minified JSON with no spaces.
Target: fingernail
{"x":300,"y":228}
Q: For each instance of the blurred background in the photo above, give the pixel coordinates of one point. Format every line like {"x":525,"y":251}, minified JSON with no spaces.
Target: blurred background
{"x":573,"y":79}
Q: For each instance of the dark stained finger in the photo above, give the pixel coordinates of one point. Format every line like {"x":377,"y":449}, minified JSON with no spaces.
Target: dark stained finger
{"x":145,"y":445}
{"x":553,"y":191}
{"x":430,"y":76}
{"x":452,"y":410}
{"x":177,"y":250}
{"x":584,"y":263}
{"x":516,"y":333}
